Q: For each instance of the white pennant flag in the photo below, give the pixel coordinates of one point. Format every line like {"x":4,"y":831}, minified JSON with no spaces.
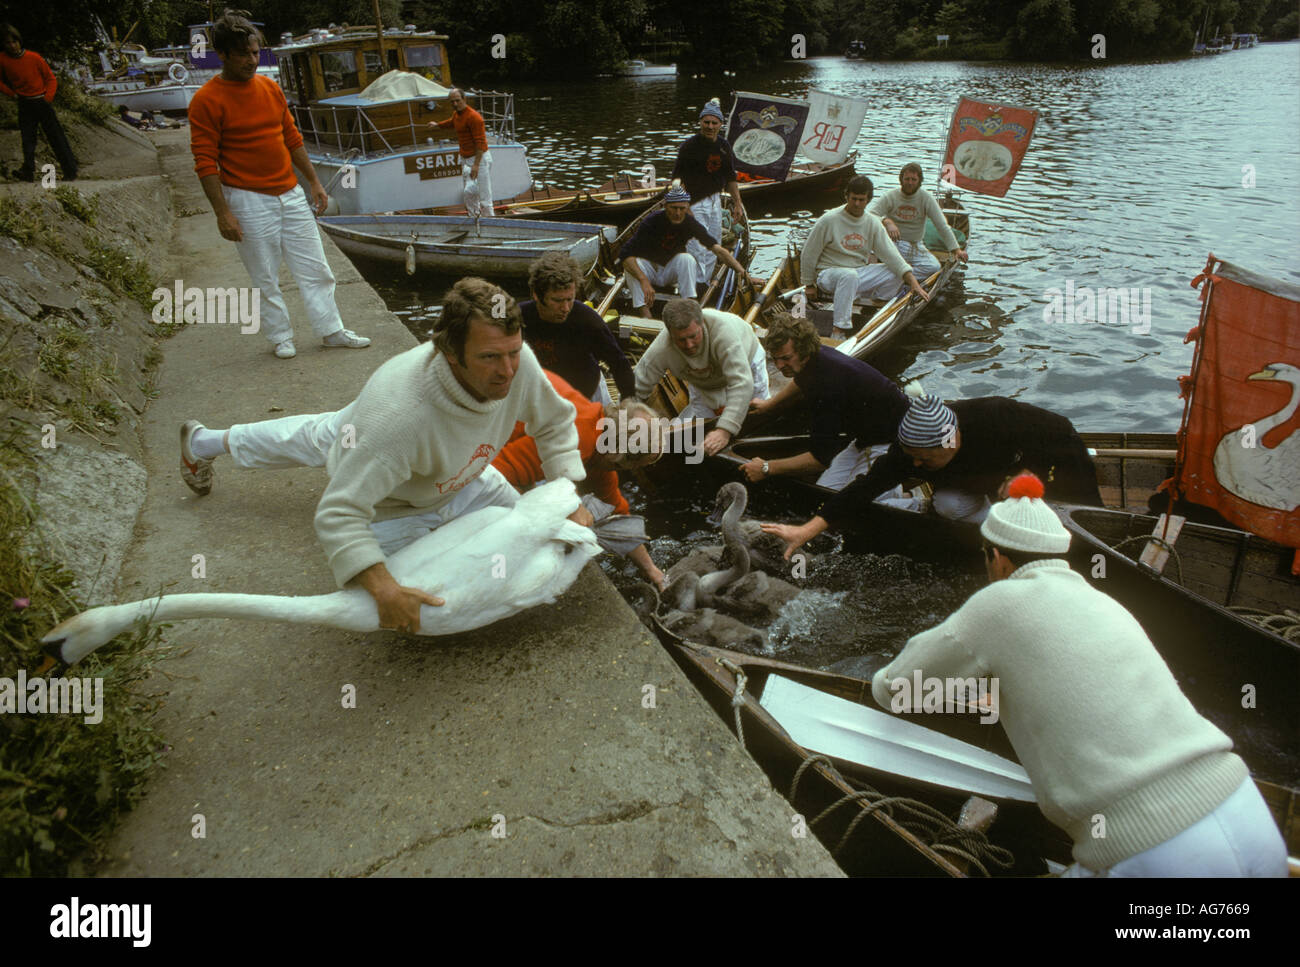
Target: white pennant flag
{"x":832,"y":127}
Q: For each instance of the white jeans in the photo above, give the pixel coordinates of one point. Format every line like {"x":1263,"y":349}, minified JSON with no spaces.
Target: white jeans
{"x":873,"y":281}
{"x":1238,"y":839}
{"x":852,"y":462}
{"x":708,"y":212}
{"x":305,"y":441}
{"x":679,"y":271}
{"x":706,"y":403}
{"x":282,"y":227}
{"x":923,"y":263}
{"x":478,"y":192}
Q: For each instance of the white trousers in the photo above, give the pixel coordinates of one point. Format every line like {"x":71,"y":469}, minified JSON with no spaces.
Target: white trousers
{"x":478,"y":191}
{"x":852,"y":462}
{"x":873,"y":281}
{"x":708,"y":212}
{"x":282,"y":227}
{"x":1238,"y":839}
{"x":706,"y":403}
{"x":305,"y":441}
{"x":679,"y":271}
{"x":922,"y":261}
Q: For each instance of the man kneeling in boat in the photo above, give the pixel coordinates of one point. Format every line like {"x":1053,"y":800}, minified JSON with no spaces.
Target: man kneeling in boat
{"x":413,"y":451}
{"x":656,"y":254}
{"x":904,"y":212}
{"x":521,"y":464}
{"x":837,"y":257}
{"x":844,"y":396}
{"x":1117,"y":755}
{"x":717,"y":356}
{"x":967,"y":451}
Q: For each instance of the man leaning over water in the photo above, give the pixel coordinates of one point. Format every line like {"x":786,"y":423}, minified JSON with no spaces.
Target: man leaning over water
{"x":245,"y":147}
{"x":413,"y":451}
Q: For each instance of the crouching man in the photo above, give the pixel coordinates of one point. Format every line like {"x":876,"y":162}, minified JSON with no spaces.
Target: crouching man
{"x":1094,"y":713}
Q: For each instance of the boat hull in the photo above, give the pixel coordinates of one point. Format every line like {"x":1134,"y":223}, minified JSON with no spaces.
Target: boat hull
{"x":413,"y":179}
{"x":451,"y":245}
{"x":172,"y":98}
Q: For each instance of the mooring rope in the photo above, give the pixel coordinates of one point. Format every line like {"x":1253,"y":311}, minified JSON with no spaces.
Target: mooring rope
{"x":1285,"y":623}
{"x":1159,"y":542}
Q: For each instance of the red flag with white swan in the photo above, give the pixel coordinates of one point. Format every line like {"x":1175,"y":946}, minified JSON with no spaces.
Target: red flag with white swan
{"x":1239,"y":447}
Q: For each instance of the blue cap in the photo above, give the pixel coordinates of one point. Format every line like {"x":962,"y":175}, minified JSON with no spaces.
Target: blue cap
{"x":712,"y":109}
{"x":676,"y":193}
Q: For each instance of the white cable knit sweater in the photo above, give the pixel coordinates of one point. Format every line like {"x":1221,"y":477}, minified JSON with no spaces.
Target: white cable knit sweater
{"x":419,"y":438}
{"x":1094,"y":713}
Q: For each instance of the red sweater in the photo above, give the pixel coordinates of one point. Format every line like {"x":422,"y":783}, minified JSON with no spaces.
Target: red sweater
{"x":469,"y":131}
{"x":27,"y":76}
{"x":244,"y":132}
{"x":520,"y":463}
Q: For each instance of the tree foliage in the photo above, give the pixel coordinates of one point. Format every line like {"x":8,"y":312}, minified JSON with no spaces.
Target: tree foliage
{"x":579,"y":38}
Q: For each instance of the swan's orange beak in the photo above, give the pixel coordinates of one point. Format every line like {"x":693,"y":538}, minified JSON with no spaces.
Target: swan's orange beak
{"x":1264,"y":374}
{"x":47,"y":663}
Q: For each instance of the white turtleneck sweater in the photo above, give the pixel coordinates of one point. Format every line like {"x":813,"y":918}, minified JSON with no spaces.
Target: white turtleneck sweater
{"x":420,"y":438}
{"x":1117,"y":755}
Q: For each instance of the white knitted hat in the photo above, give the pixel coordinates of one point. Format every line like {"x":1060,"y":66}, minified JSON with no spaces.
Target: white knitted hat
{"x":1023,"y":522}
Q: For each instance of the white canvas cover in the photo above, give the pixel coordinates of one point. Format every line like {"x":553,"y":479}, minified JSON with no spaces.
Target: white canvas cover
{"x":401,"y":85}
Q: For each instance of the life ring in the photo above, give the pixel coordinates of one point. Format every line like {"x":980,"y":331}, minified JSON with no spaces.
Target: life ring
{"x":178,"y":72}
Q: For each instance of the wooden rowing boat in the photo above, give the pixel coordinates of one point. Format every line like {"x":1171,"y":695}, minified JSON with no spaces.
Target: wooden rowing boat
{"x":1215,"y":653}
{"x":875,"y":323}
{"x":877,"y":845}
{"x":1019,"y":826}
{"x":459,"y":245}
{"x":627,"y":195}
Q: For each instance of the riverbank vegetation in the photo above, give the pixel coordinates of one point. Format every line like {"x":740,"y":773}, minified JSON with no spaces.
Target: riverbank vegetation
{"x":547,"y":39}
{"x":65,"y":371}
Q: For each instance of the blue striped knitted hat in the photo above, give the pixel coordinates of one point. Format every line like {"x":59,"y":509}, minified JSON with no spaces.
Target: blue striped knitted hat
{"x":712,"y":109}
{"x":676,"y":193}
{"x":927,"y":423}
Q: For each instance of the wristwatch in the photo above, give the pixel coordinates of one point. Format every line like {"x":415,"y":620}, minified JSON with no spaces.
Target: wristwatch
{"x":767,"y":468}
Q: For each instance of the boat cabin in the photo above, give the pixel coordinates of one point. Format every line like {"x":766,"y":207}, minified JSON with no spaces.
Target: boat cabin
{"x":324,"y":74}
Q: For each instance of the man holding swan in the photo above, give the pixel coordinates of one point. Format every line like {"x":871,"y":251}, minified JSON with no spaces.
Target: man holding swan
{"x":414,"y":450}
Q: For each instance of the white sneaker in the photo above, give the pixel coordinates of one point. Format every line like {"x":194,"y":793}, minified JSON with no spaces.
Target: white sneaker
{"x":345,"y":339}
{"x":285,"y":350}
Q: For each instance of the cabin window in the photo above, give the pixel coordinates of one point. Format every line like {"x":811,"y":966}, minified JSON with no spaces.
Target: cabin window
{"x":339,"y":69}
{"x":287,"y":79}
{"x":423,"y":59}
{"x":373,"y":69}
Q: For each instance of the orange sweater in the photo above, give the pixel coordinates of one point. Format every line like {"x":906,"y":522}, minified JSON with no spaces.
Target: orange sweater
{"x":469,"y":131}
{"x":27,"y":76}
{"x":520,"y":463}
{"x":244,"y":132}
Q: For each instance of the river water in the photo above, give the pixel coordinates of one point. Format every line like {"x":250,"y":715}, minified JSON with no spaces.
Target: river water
{"x":1136,"y":172}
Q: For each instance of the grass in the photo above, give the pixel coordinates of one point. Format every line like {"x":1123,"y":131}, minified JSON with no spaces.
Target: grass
{"x":80,"y":206}
{"x":63,"y":783}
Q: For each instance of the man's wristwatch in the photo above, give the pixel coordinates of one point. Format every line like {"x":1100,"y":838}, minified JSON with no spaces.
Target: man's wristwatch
{"x":767,"y":468}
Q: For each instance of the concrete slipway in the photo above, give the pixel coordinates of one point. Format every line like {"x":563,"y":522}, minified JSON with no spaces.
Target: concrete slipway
{"x":533,"y":728}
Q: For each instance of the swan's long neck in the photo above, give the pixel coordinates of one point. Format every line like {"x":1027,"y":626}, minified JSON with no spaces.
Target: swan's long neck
{"x":735,"y":544}
{"x":1263,"y":426}
{"x":353,"y":610}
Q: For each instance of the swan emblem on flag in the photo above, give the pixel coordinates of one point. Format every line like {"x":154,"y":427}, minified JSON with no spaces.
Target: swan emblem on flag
{"x":1267,"y":477}
{"x":769,"y":118}
{"x":991,"y":127}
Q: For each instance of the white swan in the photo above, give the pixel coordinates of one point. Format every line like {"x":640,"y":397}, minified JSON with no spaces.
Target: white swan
{"x":486,"y":565}
{"x":1263,"y":476}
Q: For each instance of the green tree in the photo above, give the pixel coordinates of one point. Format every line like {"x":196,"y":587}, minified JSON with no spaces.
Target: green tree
{"x":1045,"y":31}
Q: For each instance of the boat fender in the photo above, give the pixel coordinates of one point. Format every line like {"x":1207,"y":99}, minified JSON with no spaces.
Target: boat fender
{"x":178,"y":73}
{"x":410,"y":260}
